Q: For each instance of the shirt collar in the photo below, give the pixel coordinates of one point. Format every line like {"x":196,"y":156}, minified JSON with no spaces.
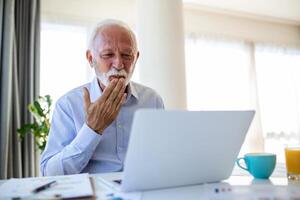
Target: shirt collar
{"x":132,"y":90}
{"x":96,"y":91}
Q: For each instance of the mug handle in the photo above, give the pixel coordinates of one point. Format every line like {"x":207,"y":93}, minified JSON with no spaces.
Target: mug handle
{"x":238,"y":163}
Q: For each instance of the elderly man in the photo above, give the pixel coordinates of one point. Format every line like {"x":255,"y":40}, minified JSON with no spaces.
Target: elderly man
{"x":91,"y":123}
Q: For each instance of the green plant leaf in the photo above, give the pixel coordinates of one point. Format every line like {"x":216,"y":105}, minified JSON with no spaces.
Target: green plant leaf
{"x":38,"y":107}
{"x":40,"y":110}
{"x":49,"y":100}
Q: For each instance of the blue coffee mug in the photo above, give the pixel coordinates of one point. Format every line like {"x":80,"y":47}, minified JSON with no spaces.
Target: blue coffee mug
{"x":260,"y":165}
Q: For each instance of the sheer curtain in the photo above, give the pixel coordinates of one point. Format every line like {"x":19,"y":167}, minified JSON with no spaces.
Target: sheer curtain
{"x":278,"y":72}
{"x":67,"y":64}
{"x":220,"y":75}
{"x":227,"y":74}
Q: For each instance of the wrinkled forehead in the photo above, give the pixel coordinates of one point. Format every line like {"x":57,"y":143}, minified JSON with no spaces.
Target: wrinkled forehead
{"x":114,"y":37}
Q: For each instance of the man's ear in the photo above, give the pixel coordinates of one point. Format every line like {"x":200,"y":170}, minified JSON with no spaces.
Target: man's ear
{"x":137,"y":56}
{"x":89,"y":57}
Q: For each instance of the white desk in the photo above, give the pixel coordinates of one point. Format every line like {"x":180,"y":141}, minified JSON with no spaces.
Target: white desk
{"x":239,"y":186}
{"x":236,"y":187}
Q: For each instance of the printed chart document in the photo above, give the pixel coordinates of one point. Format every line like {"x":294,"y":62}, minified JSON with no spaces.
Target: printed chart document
{"x":69,"y":186}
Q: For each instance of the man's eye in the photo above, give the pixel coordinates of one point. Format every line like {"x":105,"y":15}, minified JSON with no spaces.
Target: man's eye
{"x":107,"y":55}
{"x":127,"y":56}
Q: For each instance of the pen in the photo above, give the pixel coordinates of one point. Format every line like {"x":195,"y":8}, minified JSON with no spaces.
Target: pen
{"x":44,"y":187}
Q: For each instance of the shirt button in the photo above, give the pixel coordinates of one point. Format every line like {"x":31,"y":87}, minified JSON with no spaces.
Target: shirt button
{"x":119,"y":126}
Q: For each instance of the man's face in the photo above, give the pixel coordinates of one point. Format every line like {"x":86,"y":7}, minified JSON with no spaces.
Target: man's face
{"x":114,"y":54}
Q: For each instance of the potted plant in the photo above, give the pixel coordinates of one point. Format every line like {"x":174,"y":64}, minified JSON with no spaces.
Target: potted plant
{"x":40,"y":109}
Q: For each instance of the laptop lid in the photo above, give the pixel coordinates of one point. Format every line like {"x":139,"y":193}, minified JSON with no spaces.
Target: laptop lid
{"x":177,"y":148}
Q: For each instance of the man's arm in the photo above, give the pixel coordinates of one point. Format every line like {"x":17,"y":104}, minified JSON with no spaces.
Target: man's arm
{"x":67,"y":152}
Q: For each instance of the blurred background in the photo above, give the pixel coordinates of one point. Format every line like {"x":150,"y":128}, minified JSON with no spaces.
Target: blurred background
{"x":197,"y":54}
{"x":236,"y":54}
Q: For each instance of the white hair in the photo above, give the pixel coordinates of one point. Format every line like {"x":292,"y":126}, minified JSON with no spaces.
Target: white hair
{"x":107,"y":23}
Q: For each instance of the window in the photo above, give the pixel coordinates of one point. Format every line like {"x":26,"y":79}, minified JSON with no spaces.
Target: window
{"x":217,"y":74}
{"x":63,"y":63}
{"x":278,"y":72}
{"x":229,"y":75}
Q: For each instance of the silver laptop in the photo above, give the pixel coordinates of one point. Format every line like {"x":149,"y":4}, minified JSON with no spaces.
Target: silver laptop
{"x":179,"y":148}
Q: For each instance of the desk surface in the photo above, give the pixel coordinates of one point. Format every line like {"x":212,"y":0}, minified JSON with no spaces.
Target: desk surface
{"x":239,"y":186}
{"x":236,"y":187}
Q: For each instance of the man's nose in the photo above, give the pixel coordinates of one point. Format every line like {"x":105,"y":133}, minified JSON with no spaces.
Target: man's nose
{"x":118,"y":62}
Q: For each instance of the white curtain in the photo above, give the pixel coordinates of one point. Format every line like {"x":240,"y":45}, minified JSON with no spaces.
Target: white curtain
{"x":227,"y":74}
{"x":278,"y":75}
{"x":220,"y":75}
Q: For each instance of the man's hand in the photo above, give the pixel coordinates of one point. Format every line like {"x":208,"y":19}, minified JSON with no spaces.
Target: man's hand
{"x":101,"y":113}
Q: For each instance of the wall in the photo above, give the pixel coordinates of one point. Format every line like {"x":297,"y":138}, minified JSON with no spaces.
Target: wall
{"x":288,"y":10}
{"x":231,"y":18}
{"x":211,"y":23}
{"x":88,"y":12}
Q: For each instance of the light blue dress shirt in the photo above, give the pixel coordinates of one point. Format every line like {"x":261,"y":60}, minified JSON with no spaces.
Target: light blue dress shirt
{"x":73,"y":147}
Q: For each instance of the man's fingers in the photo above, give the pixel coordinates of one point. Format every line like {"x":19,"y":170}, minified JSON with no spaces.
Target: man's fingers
{"x":108,"y":90}
{"x":86,"y":98}
{"x":116,"y":91}
{"x":119,"y":96}
{"x":121,"y":102}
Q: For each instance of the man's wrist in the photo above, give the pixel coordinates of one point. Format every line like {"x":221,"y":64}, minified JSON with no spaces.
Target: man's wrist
{"x":98,"y":131}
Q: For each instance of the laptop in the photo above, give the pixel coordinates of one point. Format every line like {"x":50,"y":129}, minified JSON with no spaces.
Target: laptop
{"x":179,"y":148}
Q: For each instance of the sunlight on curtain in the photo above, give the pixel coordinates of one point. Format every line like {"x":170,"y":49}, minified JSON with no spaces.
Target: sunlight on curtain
{"x":63,"y":63}
{"x":225,"y":74}
{"x":217,"y":74}
{"x":278,"y":72}
{"x":220,"y":76}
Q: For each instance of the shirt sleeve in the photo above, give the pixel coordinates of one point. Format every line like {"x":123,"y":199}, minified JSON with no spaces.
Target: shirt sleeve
{"x":160,"y":103}
{"x":67,"y":151}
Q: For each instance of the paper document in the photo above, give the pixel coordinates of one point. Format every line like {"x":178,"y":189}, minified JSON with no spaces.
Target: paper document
{"x":69,"y":186}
